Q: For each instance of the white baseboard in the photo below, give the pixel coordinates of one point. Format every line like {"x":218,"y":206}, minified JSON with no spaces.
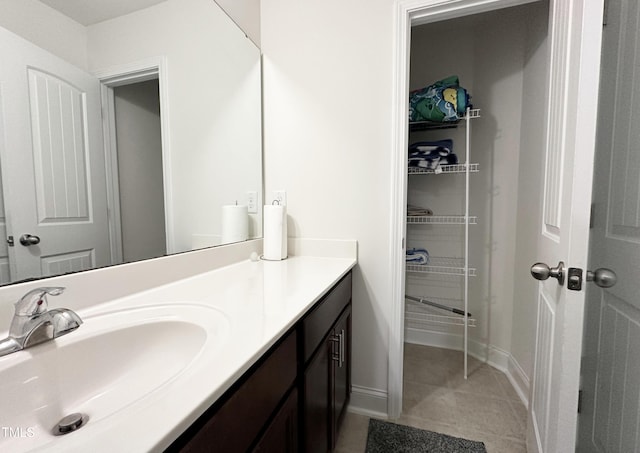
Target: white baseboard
{"x":431,"y":338}
{"x":518,"y":379}
{"x":368,"y":401}
{"x":496,"y":357}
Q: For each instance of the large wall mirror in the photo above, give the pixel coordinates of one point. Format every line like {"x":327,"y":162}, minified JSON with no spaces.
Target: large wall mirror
{"x":128,"y":130}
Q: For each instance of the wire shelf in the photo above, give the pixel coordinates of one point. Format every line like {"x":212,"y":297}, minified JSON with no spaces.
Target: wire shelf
{"x":419,"y":320}
{"x":441,"y":219}
{"x":473,"y":113}
{"x":442,"y":265}
{"x":416,"y":126}
{"x":458,"y":168}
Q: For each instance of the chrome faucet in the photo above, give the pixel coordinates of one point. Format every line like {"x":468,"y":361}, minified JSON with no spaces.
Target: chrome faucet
{"x":33,"y":323}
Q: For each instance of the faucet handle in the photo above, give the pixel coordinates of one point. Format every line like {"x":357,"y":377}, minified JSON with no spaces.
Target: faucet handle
{"x":35,"y":301}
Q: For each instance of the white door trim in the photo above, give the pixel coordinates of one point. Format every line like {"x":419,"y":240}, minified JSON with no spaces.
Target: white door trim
{"x":408,"y":12}
{"x":149,"y":69}
{"x":111,"y":169}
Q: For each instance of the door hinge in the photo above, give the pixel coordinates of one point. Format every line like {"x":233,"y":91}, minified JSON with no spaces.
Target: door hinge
{"x":591,"y":213}
{"x":605,"y":13}
{"x":580,"y":401}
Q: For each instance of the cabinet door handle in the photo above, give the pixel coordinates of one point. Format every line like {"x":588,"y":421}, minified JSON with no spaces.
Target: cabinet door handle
{"x":335,"y":355}
{"x":340,"y":355}
{"x":342,"y":348}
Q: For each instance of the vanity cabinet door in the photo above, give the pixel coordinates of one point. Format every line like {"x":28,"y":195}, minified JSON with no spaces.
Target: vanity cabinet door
{"x":320,"y":320}
{"x":341,"y":372}
{"x":317,"y":406}
{"x":281,"y":435}
{"x":327,"y":386}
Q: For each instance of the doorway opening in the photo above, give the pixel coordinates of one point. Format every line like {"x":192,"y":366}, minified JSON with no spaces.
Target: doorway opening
{"x":499,"y":55}
{"x":139,"y":171}
{"x":137,"y":161}
{"x":551,"y":218}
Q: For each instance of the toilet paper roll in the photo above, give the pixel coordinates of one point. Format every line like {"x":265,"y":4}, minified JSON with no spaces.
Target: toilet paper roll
{"x":275,"y":232}
{"x":235,"y":223}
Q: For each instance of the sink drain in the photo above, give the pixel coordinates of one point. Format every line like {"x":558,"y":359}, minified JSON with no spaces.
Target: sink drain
{"x":70,"y":423}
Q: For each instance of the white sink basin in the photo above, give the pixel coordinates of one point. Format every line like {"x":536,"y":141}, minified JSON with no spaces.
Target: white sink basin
{"x":103,"y":369}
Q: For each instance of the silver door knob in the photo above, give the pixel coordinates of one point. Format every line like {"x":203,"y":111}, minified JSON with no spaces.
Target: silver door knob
{"x":28,"y":239}
{"x":604,"y":278}
{"x":541,"y":271}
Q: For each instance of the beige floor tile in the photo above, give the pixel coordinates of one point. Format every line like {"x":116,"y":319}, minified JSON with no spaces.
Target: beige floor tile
{"x":427,"y":371}
{"x":415,"y":350}
{"x":507,"y":388}
{"x":499,"y":445}
{"x":520,"y":412}
{"x":484,"y":407}
{"x":429,"y":402}
{"x":485,"y":414}
{"x":353,"y":433}
{"x":481,"y":381}
{"x":429,"y":425}
{"x":440,"y":355}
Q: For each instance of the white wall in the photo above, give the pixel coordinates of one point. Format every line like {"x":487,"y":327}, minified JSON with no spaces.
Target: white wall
{"x":245,"y":13}
{"x":327,"y":100}
{"x":214,"y":112}
{"x":46,"y":28}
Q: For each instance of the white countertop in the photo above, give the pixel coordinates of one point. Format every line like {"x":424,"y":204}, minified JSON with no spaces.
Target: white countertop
{"x":261,"y":301}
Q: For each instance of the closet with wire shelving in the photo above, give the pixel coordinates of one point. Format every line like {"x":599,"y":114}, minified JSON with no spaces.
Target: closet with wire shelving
{"x":426,"y":308}
{"x":470,"y":216}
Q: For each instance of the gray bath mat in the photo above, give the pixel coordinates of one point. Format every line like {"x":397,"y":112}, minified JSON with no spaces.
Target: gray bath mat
{"x":385,"y":437}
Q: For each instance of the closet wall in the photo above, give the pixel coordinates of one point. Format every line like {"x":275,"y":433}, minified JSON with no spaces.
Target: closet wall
{"x":497,"y":56}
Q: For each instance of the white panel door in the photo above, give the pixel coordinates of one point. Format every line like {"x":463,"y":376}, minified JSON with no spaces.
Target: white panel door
{"x":575,"y":28}
{"x":52,"y":162}
{"x":610,"y":415}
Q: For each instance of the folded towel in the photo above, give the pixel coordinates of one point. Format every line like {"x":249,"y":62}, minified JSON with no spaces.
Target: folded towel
{"x":443,"y":147}
{"x":429,"y":154}
{"x":430,"y":163}
{"x":451,"y":159}
{"x":417,"y":256}
{"x":413,"y":210}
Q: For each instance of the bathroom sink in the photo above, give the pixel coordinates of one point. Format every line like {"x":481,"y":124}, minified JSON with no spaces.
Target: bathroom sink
{"x":112,"y":363}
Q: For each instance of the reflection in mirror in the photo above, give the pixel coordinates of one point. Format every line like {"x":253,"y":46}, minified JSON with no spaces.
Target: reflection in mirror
{"x":124,"y":134}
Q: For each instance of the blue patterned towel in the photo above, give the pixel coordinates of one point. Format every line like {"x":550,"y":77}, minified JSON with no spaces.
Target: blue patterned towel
{"x":417,"y":256}
{"x":431,"y":154}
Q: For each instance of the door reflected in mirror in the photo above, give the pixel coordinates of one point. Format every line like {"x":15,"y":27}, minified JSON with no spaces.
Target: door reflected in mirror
{"x":123,"y":136}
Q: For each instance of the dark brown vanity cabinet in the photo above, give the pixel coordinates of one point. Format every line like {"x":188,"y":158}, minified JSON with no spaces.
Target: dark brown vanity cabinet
{"x":258,"y":411}
{"x":294,"y":397}
{"x":281,"y":436}
{"x":341,"y":385}
{"x":326,"y":374}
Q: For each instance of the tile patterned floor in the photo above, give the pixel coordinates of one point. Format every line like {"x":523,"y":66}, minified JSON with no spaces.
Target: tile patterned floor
{"x":438,"y":398}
